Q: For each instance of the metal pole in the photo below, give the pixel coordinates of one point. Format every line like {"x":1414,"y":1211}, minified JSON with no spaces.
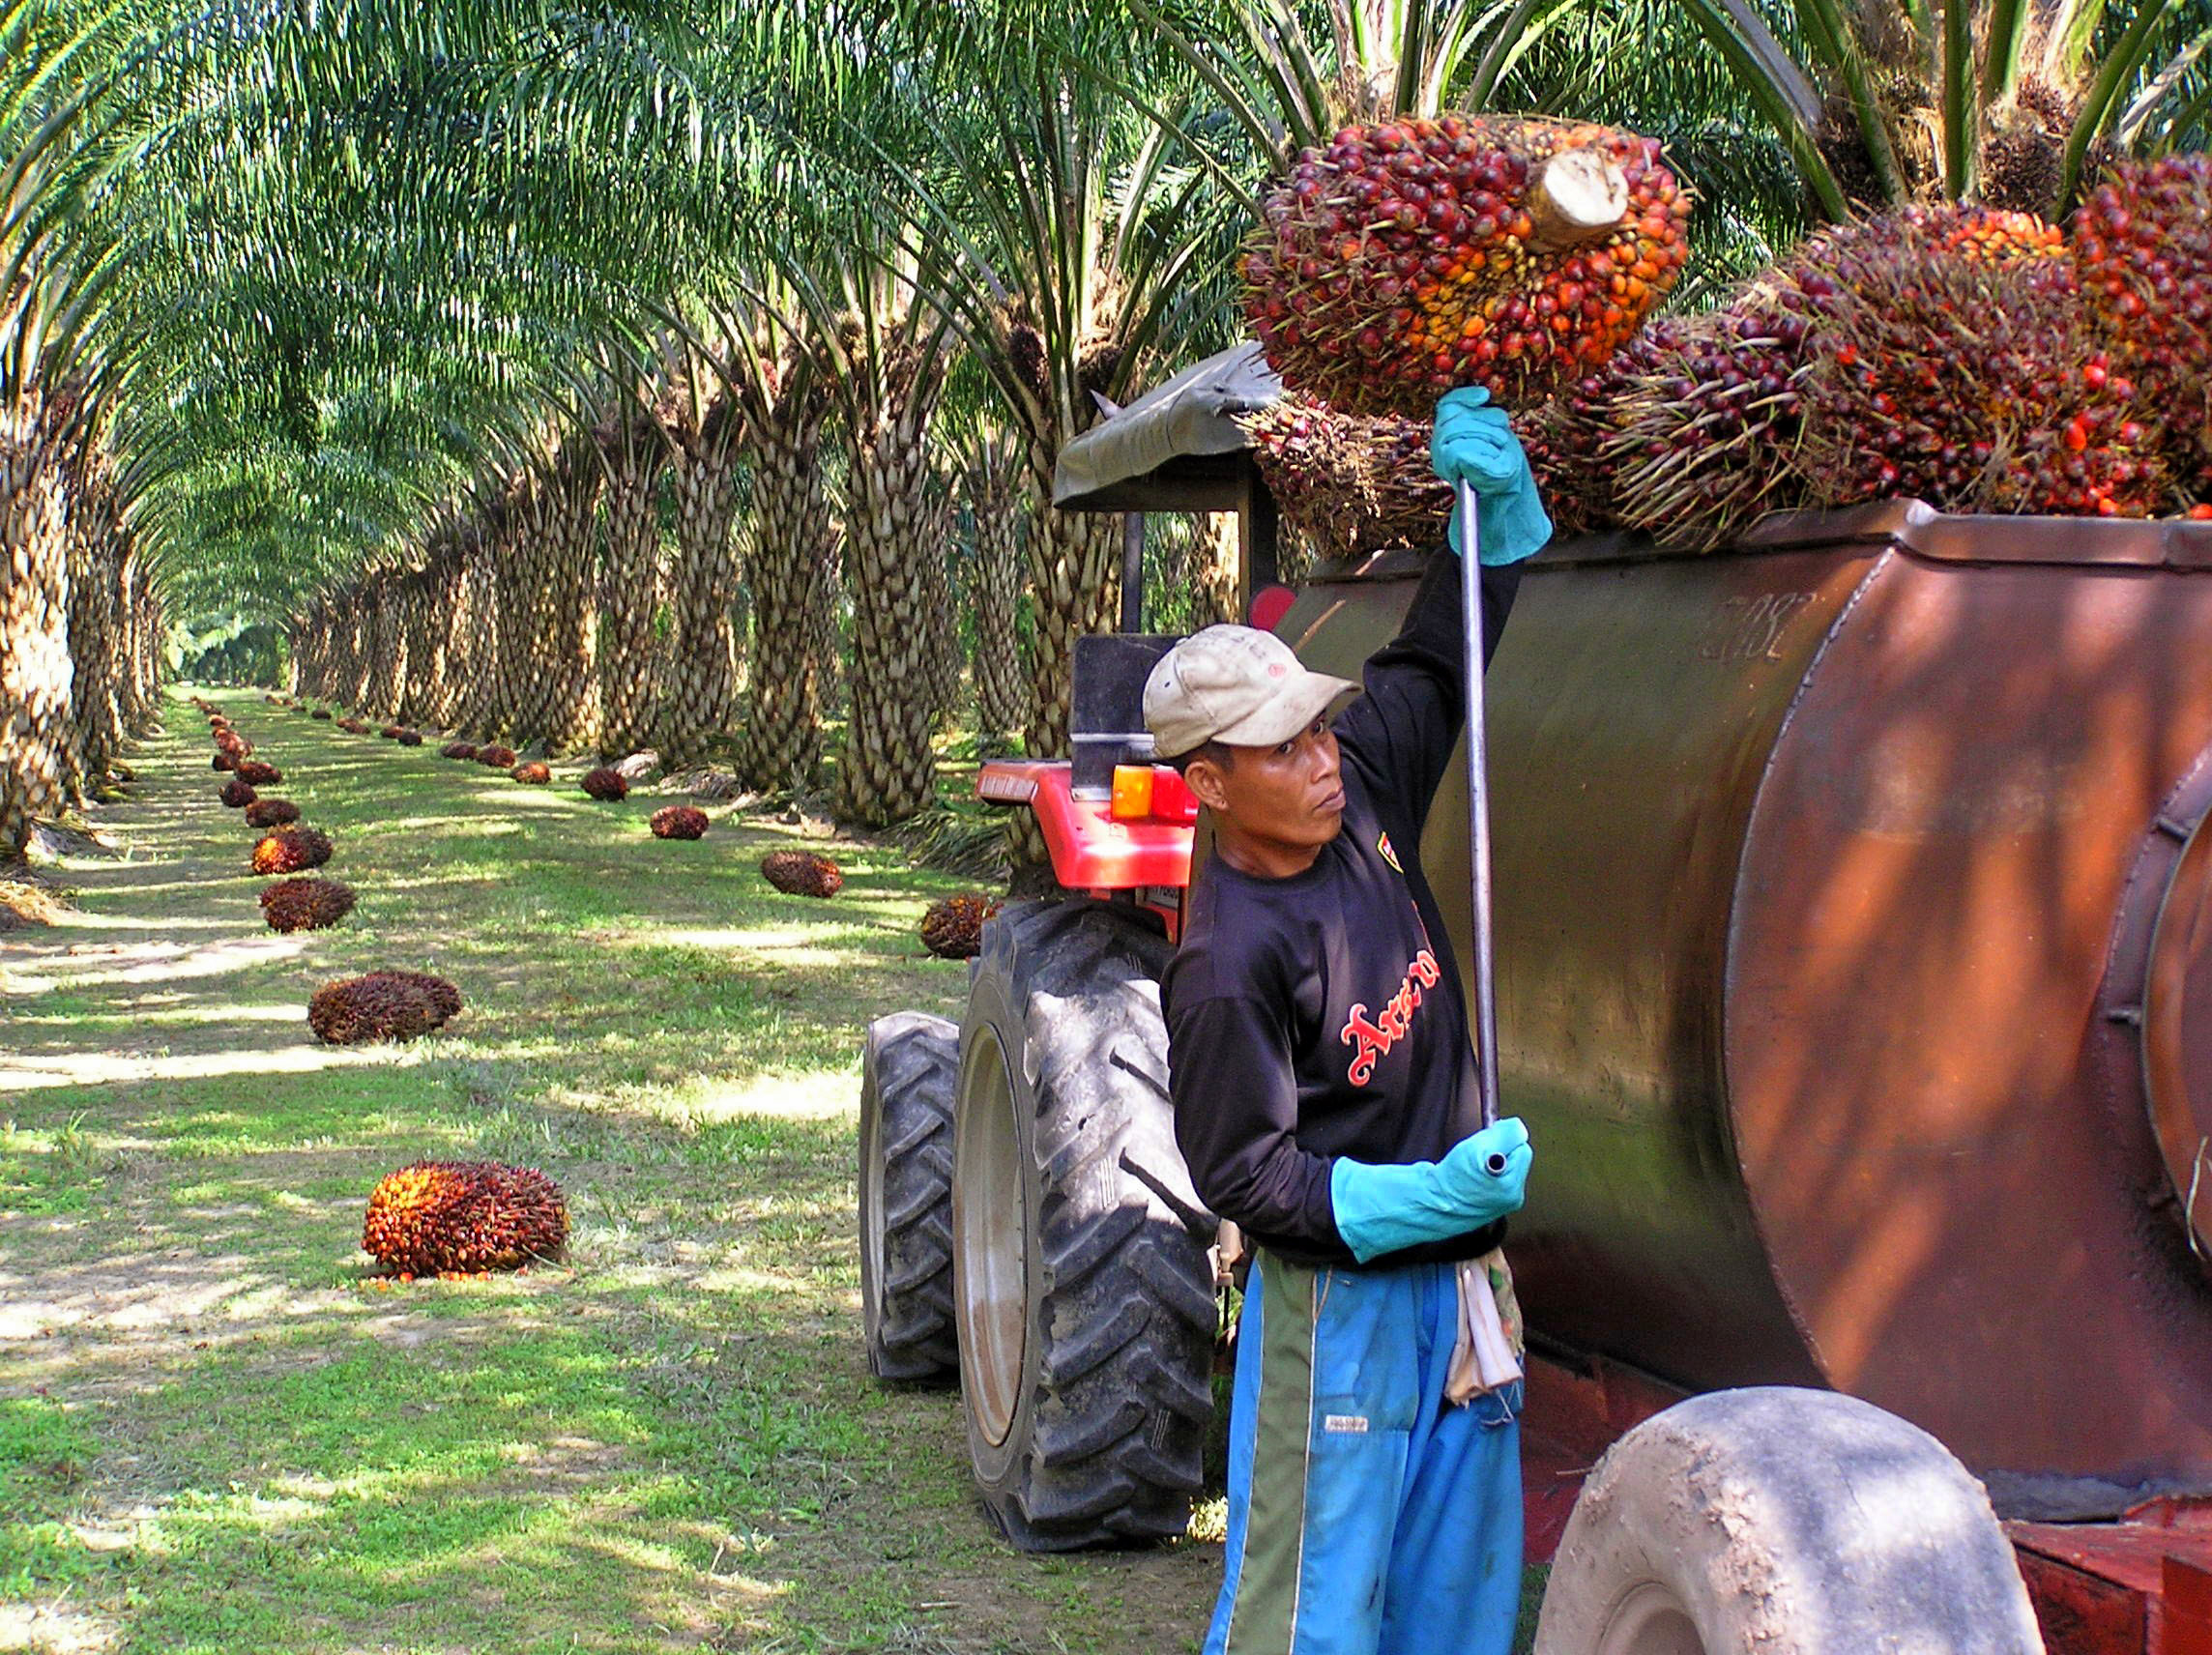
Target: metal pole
{"x":1478,"y":801}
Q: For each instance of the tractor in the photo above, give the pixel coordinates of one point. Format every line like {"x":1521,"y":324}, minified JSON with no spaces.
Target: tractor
{"x":1854,"y":928}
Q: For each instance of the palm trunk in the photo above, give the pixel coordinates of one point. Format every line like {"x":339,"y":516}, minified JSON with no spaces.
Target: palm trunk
{"x":1075,"y":558}
{"x":791,"y":559}
{"x":1001,"y":680}
{"x":1214,"y":556}
{"x":629,"y":600}
{"x":895,"y":558}
{"x":703,"y":659}
{"x":35,"y":676}
{"x":568,"y":611}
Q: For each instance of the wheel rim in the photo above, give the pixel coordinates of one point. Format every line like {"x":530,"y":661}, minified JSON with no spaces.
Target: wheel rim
{"x":872,"y":1206}
{"x":1650,"y":1620}
{"x":987,"y":1238}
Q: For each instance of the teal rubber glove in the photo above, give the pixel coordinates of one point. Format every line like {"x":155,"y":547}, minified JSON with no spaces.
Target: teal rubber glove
{"x":1382,"y":1210}
{"x":1474,"y":443}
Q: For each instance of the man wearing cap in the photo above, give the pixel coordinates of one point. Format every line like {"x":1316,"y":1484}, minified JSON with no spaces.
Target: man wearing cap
{"x":1327,"y":1102}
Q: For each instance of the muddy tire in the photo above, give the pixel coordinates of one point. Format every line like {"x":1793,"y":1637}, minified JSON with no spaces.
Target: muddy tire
{"x":1084,"y":1289}
{"x":1789,"y":1522}
{"x":907,"y":1079}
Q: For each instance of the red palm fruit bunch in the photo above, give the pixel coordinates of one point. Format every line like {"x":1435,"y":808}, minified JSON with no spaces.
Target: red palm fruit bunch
{"x":1989,"y":234}
{"x":237,"y":794}
{"x":305,"y":904}
{"x":291,"y":850}
{"x":353,"y":726}
{"x":409,"y":737}
{"x":606,"y":783}
{"x":496,"y":757}
{"x":271,"y":813}
{"x":678,"y":821}
{"x":382,"y":1005}
{"x":1974,"y":385}
{"x":391,"y":732}
{"x":258,"y":773}
{"x":320,"y":713}
{"x":463,"y":1217}
{"x":1418,"y":255}
{"x":2142,"y":244}
{"x":536,"y":772}
{"x":458,"y":750}
{"x":225,"y":761}
{"x":1352,"y":483}
{"x":801,"y":873}
{"x":954,"y":929}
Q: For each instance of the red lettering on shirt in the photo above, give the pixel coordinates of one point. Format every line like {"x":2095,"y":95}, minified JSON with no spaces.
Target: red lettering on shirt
{"x":1372,"y":1037}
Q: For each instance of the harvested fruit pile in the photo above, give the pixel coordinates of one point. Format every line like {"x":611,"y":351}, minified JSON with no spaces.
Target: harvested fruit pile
{"x":291,"y":850}
{"x":954,"y":929}
{"x":801,"y":873}
{"x":382,"y":1005}
{"x":496,"y":757}
{"x":458,"y":750}
{"x":305,"y":904}
{"x":236,"y":794}
{"x":438,"y":1217}
{"x":536,"y":772}
{"x":678,"y":821}
{"x":1979,"y":361}
{"x":271,"y":813}
{"x":606,"y":783}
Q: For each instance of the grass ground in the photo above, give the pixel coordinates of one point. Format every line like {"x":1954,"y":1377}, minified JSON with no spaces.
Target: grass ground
{"x":220,"y":1432}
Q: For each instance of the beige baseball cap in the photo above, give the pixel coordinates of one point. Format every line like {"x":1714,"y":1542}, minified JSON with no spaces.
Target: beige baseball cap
{"x":1236,"y":685}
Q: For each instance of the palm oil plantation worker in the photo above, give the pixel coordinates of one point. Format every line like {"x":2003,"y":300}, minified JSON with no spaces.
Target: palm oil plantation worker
{"x":1325,"y":1100}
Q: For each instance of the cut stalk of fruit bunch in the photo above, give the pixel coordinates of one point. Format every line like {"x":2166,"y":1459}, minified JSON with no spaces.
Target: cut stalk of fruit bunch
{"x":1415,"y":257}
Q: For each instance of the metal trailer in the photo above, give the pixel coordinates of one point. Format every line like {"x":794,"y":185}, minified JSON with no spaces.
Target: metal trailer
{"x":1854,"y":938}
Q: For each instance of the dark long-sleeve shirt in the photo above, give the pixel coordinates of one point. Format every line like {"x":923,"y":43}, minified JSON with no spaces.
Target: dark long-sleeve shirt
{"x":1320,"y":1016}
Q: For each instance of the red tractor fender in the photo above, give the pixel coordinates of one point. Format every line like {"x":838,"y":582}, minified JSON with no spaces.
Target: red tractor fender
{"x":1092,"y":847}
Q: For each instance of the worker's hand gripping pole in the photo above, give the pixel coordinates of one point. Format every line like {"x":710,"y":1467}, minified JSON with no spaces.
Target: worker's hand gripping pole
{"x":1478,"y":802}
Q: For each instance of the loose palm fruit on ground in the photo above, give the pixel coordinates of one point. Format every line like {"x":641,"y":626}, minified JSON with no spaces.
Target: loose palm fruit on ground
{"x":409,"y":737}
{"x":463,"y":1215}
{"x":305,"y":904}
{"x":801,"y":873}
{"x":226,"y":761}
{"x":606,"y":783}
{"x":2142,"y":244}
{"x":236,"y":794}
{"x":1408,"y":259}
{"x":382,"y":1005}
{"x":534,"y":772}
{"x":496,"y":757}
{"x":256,"y":772}
{"x":271,"y":813}
{"x":320,"y":713}
{"x":678,"y":821}
{"x":291,"y":850}
{"x":458,"y":750}
{"x":391,"y":732}
{"x":353,"y":726}
{"x":954,"y":929}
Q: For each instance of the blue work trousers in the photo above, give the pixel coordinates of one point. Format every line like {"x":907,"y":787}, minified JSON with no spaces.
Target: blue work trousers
{"x":1367,"y":1515}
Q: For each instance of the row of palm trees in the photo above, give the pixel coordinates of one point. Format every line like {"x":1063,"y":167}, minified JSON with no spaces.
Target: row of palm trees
{"x":667,"y":372}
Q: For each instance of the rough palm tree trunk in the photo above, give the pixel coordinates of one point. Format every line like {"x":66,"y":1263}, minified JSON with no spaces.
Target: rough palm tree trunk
{"x":568,"y":605}
{"x":517,"y":558}
{"x":1214,"y":555}
{"x":95,"y":536}
{"x":791,"y":559}
{"x":35,"y":673}
{"x":481,"y":679}
{"x":895,"y":551}
{"x":1075,"y":559}
{"x":702,"y":687}
{"x":630,"y":598}
{"x":1001,"y":679}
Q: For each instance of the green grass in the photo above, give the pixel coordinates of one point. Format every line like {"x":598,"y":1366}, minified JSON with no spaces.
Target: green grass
{"x":218,"y":1432}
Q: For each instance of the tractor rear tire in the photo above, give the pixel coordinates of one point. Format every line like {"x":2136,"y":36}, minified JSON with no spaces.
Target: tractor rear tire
{"x":1083,"y":1282}
{"x":1789,"y":1522}
{"x":907,"y":1080}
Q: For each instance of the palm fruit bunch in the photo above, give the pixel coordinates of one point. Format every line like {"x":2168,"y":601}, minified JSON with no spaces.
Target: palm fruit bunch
{"x":1352,"y":483}
{"x":291,"y":850}
{"x":305,"y":904}
{"x":320,"y":713}
{"x":2142,"y":245}
{"x":409,"y":737}
{"x":678,"y":821}
{"x":954,"y":929}
{"x":237,"y":794}
{"x":496,"y":757}
{"x":1974,"y":385}
{"x":1416,"y":255}
{"x":224,"y":759}
{"x":606,"y":783}
{"x":463,"y":1217}
{"x":258,"y":773}
{"x":382,"y":1005}
{"x":391,"y":732}
{"x":353,"y":726}
{"x":271,"y":813}
{"x":458,"y":750}
{"x":536,"y":772}
{"x":801,"y":873}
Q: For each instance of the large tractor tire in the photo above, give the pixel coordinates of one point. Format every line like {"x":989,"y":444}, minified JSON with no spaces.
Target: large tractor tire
{"x":1789,"y":1522}
{"x":907,"y":1080}
{"x":1081,"y":1271}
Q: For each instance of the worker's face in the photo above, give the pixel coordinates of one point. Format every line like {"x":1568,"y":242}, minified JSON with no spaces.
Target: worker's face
{"x":1289,"y":794}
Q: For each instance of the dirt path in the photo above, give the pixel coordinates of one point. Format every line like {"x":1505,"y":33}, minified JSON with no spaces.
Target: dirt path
{"x":218,"y":1432}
